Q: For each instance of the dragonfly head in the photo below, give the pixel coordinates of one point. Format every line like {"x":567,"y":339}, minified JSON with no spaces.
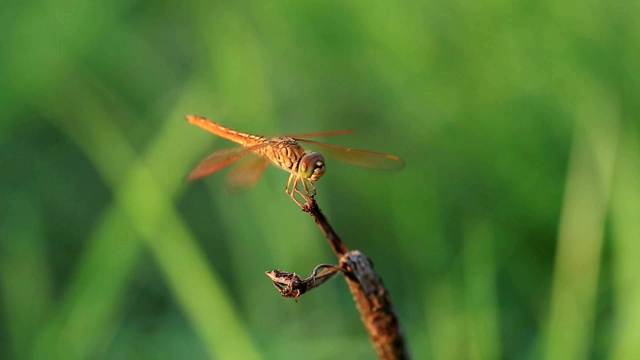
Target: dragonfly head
{"x":311,"y":166}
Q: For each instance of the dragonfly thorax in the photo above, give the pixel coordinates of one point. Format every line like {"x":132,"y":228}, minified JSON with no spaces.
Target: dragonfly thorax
{"x":311,"y":166}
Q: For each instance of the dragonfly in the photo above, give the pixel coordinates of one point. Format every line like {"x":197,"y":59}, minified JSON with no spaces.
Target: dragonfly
{"x":286,"y":152}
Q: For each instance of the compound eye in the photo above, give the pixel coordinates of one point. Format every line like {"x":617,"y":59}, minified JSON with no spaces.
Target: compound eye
{"x":311,"y":166}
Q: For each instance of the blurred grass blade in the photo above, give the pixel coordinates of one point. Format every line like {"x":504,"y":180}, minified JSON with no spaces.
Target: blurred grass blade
{"x":482,"y":325}
{"x":444,"y":320}
{"x":142,"y":202}
{"x":581,"y":232}
{"x":625,"y":212}
{"x":25,"y":282}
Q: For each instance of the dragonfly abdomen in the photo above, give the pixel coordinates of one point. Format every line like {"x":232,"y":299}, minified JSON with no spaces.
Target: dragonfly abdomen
{"x":245,"y":139}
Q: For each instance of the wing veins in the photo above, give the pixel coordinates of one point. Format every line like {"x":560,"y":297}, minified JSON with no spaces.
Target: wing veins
{"x":219,"y":159}
{"x":360,"y":157}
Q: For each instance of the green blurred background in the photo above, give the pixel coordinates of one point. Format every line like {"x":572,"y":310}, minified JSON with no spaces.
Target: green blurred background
{"x":512,"y":232}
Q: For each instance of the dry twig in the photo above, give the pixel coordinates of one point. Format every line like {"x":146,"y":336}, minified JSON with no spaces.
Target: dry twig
{"x":290,"y":285}
{"x":372,"y":298}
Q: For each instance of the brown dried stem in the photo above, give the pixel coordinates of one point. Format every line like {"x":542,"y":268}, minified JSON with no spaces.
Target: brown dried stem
{"x":372,"y":298}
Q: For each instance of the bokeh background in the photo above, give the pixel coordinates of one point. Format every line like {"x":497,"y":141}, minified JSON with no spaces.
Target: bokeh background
{"x":512,"y":232}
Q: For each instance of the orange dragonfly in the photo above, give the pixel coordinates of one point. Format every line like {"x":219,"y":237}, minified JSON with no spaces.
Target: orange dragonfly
{"x":305,"y":167}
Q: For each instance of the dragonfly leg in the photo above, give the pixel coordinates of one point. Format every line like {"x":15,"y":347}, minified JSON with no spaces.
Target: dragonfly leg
{"x":307,"y":197}
{"x":311,"y":192}
{"x":307,"y":194}
{"x":292,"y":189}
{"x":291,"y":178}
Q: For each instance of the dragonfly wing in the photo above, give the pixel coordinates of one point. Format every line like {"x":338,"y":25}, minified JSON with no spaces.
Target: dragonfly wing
{"x":320,"y":133}
{"x":247,"y":172}
{"x":220,"y":159}
{"x":359,"y":157}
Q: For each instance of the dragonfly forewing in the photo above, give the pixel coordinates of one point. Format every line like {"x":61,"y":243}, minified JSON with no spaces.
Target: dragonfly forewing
{"x":359,"y":157}
{"x":320,"y":133}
